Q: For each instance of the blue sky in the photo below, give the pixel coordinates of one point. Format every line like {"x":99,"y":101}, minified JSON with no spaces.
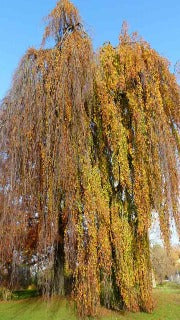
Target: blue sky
{"x":21,"y":26}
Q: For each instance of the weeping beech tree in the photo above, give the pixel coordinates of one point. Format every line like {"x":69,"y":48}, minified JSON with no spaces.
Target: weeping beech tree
{"x":89,"y":149}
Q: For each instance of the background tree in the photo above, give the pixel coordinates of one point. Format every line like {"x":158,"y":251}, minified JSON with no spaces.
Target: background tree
{"x":163,"y":264}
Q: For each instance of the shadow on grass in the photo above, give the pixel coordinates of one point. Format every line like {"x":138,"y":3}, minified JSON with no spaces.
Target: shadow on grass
{"x":24,"y":294}
{"x":27,"y":306}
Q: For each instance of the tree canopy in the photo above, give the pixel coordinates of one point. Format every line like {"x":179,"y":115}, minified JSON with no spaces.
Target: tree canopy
{"x":89,"y":148}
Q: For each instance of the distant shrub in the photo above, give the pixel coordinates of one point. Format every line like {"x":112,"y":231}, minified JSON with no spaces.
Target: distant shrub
{"x":5,"y":294}
{"x":31,"y":287}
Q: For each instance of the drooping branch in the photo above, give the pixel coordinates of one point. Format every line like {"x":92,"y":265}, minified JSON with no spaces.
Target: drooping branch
{"x":88,"y":150}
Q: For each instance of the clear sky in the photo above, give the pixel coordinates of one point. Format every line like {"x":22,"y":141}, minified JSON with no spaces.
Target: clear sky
{"x":21,"y":26}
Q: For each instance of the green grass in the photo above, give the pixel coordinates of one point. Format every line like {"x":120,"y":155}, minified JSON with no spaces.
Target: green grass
{"x":29,"y":307}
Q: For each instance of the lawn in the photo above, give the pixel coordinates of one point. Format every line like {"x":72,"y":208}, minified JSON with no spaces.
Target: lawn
{"x":167,"y":298}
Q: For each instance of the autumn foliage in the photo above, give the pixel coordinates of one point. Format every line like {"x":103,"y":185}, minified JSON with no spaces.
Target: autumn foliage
{"x":89,"y":148}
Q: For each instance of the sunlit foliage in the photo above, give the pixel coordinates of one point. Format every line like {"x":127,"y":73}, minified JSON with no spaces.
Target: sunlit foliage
{"x":89,"y":148}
